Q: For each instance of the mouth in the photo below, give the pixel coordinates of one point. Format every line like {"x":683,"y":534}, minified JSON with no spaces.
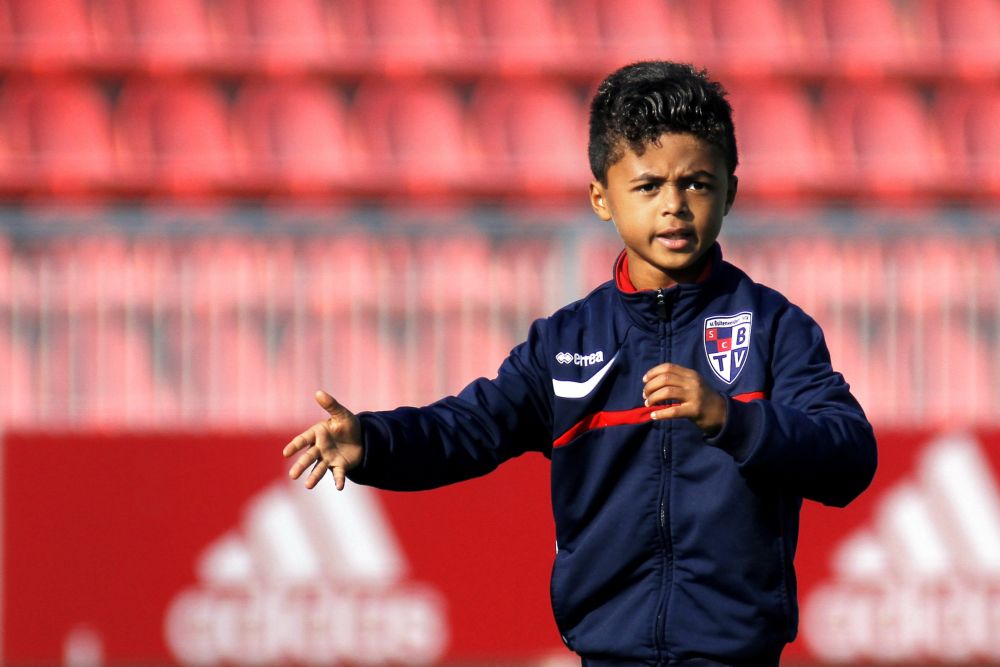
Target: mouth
{"x":676,"y":239}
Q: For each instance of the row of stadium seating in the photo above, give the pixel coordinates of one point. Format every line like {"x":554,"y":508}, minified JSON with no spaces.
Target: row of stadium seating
{"x":468,"y":37}
{"x":162,"y":332}
{"x":930,"y":276}
{"x":100,"y":368}
{"x":498,"y":139}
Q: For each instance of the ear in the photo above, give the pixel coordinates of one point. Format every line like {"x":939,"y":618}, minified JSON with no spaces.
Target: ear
{"x":731,"y":193}
{"x":599,"y":201}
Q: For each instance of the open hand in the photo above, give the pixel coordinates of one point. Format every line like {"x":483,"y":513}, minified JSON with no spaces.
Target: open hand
{"x":333,"y":444}
{"x":691,"y":396}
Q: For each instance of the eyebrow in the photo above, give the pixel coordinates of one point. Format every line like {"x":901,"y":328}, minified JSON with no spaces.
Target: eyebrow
{"x":650,"y":176}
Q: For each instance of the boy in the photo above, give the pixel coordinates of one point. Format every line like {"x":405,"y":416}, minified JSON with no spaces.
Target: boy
{"x":686,"y":409}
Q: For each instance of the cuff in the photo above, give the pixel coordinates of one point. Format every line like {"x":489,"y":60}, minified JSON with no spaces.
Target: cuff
{"x":741,"y":432}
{"x":374,"y":438}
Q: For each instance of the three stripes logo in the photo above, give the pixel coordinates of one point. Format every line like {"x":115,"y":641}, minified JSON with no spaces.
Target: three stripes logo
{"x":321,"y":560}
{"x":922,"y":581}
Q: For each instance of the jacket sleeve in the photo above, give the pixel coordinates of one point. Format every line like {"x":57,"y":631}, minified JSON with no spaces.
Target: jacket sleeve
{"x":811,"y":435}
{"x":463,"y":436}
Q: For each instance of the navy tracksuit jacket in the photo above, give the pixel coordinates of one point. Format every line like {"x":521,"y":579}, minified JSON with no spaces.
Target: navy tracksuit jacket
{"x":673,"y":548}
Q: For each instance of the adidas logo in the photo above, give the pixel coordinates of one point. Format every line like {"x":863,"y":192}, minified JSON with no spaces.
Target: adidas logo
{"x":922,"y":582}
{"x":307,"y":576}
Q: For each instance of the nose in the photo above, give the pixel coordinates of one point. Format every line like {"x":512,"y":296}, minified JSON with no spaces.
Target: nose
{"x":673,"y":199}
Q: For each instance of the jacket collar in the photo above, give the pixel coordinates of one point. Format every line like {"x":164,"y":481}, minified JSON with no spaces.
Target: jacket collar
{"x":679,"y":304}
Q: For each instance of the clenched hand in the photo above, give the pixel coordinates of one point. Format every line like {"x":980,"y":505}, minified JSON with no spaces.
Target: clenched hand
{"x":691,"y":397}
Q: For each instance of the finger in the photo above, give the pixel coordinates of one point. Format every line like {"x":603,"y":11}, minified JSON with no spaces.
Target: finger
{"x":663,"y":380}
{"x":664,"y":394}
{"x":330,"y":404}
{"x":339,"y":477}
{"x":676,"y":411}
{"x":317,"y":474}
{"x":310,"y":456}
{"x":299,"y":442}
{"x":668,"y":367}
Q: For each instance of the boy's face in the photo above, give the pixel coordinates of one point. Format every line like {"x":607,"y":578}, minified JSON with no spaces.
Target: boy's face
{"x":667,"y":205}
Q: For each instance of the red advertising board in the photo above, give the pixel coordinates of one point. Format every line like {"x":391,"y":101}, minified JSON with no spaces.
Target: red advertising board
{"x":196,"y":549}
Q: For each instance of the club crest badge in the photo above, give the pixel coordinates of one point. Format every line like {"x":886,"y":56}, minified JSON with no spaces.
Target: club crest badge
{"x":727,"y":344}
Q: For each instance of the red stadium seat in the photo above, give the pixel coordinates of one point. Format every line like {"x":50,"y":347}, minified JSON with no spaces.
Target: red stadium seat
{"x":18,"y":400}
{"x":175,"y":137}
{"x":533,"y":138}
{"x":351,"y":354}
{"x":115,"y":377}
{"x":617,"y":32}
{"x":409,"y":36}
{"x":969,"y":119}
{"x":295,"y":136}
{"x":968,"y":32}
{"x":156,"y":34}
{"x":225,"y":361}
{"x":352,"y":262}
{"x":45,"y":34}
{"x":883,"y":142}
{"x":452,"y":271}
{"x":936,"y":274}
{"x":855,"y":36}
{"x":58,"y":135}
{"x":781,"y":153}
{"x":413,"y":138}
{"x":277,"y":35}
{"x":514,"y":35}
{"x":749,"y":37}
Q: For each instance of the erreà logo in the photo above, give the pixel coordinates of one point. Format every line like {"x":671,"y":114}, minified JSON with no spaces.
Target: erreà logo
{"x":727,"y":344}
{"x":921,"y":582}
{"x":581,"y":359}
{"x":316,"y":564}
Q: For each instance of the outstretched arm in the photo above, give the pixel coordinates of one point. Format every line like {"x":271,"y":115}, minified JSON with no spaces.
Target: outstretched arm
{"x":456,"y":438}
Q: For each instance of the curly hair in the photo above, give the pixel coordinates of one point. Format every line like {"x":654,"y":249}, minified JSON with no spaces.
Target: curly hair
{"x":636,"y":104}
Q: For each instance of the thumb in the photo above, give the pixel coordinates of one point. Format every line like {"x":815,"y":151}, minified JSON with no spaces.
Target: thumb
{"x":330,"y":404}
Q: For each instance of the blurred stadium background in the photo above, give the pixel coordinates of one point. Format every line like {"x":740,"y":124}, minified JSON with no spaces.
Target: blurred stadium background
{"x":210,"y":208}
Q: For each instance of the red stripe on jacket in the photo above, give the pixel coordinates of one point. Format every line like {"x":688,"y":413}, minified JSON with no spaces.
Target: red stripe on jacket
{"x":623,"y":417}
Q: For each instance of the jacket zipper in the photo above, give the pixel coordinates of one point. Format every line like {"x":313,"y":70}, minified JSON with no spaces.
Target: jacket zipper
{"x":660,"y":634}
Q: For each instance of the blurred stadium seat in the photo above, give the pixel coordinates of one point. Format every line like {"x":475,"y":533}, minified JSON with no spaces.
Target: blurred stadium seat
{"x":967,"y":32}
{"x":453,"y":274}
{"x":515,"y":36}
{"x":175,"y":137}
{"x":532,"y":138}
{"x":17,"y":401}
{"x":414,"y":139}
{"x":294,"y":136}
{"x":781,"y":152}
{"x":743,"y":37}
{"x":883,"y":142}
{"x":153,"y":34}
{"x":969,"y":121}
{"x":410,"y":36}
{"x":277,"y":35}
{"x":114,"y":351}
{"x":855,"y":37}
{"x":45,"y":34}
{"x":615,"y":32}
{"x":58,"y":136}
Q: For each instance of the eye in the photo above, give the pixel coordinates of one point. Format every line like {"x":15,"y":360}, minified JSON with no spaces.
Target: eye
{"x":698,"y":186}
{"x":648,"y":187}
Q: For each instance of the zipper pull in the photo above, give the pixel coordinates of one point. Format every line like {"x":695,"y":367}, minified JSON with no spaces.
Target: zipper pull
{"x":661,"y":303}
